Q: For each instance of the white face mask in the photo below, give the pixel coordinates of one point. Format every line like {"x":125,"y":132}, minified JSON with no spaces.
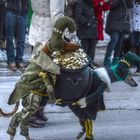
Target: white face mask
{"x":71,"y":36}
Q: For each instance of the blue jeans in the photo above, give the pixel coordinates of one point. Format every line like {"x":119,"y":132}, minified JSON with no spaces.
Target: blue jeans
{"x":15,"y":30}
{"x":115,"y":44}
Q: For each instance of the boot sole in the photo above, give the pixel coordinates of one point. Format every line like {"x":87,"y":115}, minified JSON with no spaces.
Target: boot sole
{"x":35,"y":125}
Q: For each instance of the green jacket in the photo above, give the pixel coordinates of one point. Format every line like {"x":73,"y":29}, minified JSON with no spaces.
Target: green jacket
{"x":38,"y":78}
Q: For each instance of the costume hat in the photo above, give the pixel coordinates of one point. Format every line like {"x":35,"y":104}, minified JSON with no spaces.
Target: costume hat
{"x":56,"y":42}
{"x":121,"y":70}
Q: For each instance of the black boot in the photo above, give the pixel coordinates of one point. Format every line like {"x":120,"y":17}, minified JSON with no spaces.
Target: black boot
{"x":38,"y":119}
{"x":40,"y":114}
{"x":34,"y":121}
{"x":89,"y":138}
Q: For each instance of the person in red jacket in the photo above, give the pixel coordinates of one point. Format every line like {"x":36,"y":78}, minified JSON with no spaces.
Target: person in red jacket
{"x":100,"y":6}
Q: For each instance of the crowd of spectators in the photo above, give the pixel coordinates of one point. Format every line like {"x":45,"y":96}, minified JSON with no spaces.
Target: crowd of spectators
{"x":21,"y":17}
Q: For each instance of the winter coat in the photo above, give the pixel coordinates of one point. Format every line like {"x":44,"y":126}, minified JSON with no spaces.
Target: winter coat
{"x":135,"y":17}
{"x":69,"y":8}
{"x":18,"y":7}
{"x":98,"y":9}
{"x":85,"y":19}
{"x":119,"y":18}
{"x":45,"y":13}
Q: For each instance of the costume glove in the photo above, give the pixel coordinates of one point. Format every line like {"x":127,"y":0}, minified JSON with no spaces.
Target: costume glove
{"x":82,"y":102}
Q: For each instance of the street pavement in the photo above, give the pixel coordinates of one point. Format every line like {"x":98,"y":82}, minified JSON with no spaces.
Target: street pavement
{"x":120,"y":120}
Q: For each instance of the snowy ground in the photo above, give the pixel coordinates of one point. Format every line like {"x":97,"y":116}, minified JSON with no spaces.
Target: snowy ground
{"x":119,"y":122}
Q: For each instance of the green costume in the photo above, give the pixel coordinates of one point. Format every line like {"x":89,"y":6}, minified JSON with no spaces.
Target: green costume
{"x":36,"y":82}
{"x":38,"y":79}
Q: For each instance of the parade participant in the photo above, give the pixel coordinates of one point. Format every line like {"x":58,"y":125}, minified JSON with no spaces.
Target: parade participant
{"x":87,"y":107}
{"x":44,"y":15}
{"x":38,"y":80}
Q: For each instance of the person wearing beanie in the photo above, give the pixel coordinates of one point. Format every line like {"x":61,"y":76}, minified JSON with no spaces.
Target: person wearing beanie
{"x":87,"y":107}
{"x":36,"y":86}
{"x":44,"y":15}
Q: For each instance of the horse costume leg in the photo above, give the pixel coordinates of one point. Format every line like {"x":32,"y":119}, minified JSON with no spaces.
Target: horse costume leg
{"x":80,"y":134}
{"x":86,"y":129}
{"x":34,"y":104}
{"x":14,"y":124}
{"x":23,"y":116}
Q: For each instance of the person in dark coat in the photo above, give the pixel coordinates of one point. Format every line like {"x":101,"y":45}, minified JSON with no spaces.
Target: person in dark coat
{"x":86,"y":26}
{"x":118,"y":24}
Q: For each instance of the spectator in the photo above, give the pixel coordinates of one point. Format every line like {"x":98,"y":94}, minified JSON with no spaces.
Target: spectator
{"x":16,"y":23}
{"x":99,"y":7}
{"x":135,"y":36}
{"x":2,"y":24}
{"x":118,"y":24}
{"x":86,"y":26}
{"x":45,"y":13}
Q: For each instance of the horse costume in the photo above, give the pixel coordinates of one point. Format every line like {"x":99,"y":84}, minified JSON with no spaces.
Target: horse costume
{"x":85,"y":86}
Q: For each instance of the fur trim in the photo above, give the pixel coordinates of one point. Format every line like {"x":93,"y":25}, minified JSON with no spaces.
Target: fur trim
{"x":103,"y":74}
{"x":41,"y":59}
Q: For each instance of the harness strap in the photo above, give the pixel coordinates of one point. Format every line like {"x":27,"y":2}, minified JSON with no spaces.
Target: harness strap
{"x":40,"y":94}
